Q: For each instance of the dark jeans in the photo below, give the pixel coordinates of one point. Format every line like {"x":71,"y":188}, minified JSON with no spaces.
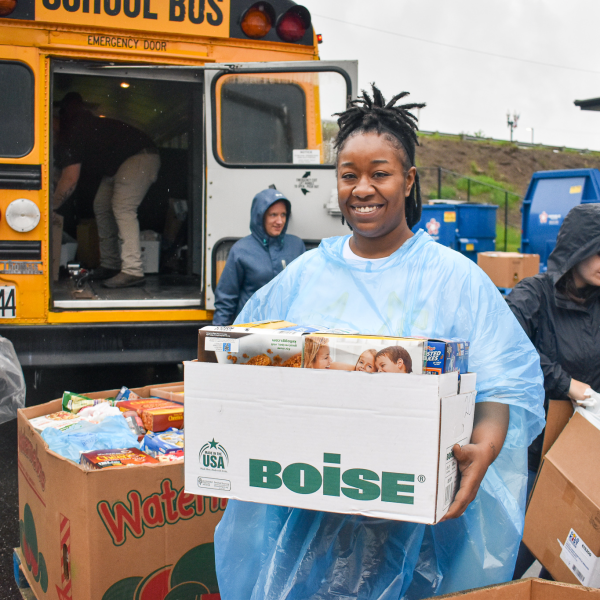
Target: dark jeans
{"x":525,"y":559}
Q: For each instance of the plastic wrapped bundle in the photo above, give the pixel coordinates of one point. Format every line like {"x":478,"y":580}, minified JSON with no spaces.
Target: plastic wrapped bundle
{"x":12,"y":383}
{"x":277,"y":553}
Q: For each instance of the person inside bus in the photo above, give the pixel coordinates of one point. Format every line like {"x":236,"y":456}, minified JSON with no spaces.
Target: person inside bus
{"x":560,"y":312}
{"x":254,"y":260}
{"x":384,"y":280}
{"x":128,"y":162}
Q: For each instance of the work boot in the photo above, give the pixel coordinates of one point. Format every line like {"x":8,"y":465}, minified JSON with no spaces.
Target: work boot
{"x":123,"y":280}
{"x":102,"y":273}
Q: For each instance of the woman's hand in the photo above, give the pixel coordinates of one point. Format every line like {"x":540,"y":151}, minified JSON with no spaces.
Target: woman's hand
{"x":489,"y":430}
{"x":576,"y":391}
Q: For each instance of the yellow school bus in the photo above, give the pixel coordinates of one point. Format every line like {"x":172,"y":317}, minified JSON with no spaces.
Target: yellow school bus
{"x":234,"y":98}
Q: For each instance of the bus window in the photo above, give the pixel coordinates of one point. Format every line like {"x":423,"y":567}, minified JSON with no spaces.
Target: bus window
{"x":17,"y":112}
{"x":169,"y":113}
{"x":278,"y":118}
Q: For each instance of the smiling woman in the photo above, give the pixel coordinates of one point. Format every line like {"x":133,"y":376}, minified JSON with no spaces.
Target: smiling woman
{"x":384,"y":280}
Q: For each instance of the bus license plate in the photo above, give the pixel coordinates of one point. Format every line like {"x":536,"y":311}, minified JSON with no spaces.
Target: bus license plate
{"x":8,"y":302}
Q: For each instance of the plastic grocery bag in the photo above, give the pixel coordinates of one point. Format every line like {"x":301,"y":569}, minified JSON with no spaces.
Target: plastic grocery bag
{"x":112,"y":433}
{"x":277,"y":553}
{"x":12,"y":382}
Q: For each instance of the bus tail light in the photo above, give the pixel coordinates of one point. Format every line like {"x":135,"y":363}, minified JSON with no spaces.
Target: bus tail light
{"x":6,"y":7}
{"x":257,"y":20}
{"x":293,"y":24}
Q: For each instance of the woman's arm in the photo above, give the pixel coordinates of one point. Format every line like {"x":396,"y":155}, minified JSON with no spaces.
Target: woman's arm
{"x":489,"y":430}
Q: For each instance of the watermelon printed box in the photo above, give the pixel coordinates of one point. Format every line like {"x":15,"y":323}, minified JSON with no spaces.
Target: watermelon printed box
{"x":113,"y":534}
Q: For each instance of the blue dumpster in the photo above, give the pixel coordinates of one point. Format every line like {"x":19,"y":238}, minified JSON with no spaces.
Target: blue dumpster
{"x":466,"y":227}
{"x":550,"y":196}
{"x":439,"y":221}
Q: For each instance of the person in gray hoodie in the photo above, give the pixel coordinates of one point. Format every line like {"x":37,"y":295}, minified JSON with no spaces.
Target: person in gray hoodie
{"x":254,"y":260}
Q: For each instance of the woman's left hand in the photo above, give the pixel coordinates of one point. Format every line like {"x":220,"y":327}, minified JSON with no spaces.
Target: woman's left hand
{"x":473,"y":462}
{"x":489,"y":430}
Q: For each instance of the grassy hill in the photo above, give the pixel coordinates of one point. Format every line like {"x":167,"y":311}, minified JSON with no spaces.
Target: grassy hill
{"x":505,"y":165}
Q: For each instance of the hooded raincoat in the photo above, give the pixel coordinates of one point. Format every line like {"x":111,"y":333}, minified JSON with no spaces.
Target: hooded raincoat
{"x":565,"y":333}
{"x":277,"y":553}
{"x":254,"y":260}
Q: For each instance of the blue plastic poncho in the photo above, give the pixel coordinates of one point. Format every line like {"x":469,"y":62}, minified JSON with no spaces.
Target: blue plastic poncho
{"x":276,"y":553}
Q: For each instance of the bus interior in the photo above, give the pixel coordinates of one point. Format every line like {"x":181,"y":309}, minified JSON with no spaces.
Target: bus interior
{"x":165,"y":104}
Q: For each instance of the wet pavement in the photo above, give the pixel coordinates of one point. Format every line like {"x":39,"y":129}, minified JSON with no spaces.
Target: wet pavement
{"x":42,"y":386}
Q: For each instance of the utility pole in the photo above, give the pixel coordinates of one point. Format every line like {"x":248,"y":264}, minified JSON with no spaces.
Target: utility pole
{"x":512,"y":122}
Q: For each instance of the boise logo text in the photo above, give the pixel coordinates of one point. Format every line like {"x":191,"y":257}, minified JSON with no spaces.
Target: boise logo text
{"x":213,"y":456}
{"x":360,"y":484}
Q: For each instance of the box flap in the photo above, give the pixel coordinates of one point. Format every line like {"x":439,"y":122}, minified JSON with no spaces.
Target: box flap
{"x":467,"y":383}
{"x":559,"y":413}
{"x":573,"y":454}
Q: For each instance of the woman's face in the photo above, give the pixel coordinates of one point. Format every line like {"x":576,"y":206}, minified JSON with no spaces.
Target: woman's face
{"x":323,"y":359}
{"x":366,"y":362}
{"x":385,"y":365}
{"x":372,"y":185}
{"x":588,"y":271}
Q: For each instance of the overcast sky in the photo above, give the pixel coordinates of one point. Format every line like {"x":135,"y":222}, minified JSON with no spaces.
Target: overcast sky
{"x":457,"y":67}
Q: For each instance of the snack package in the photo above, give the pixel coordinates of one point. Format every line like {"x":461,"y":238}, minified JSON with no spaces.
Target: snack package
{"x":144,"y":403}
{"x":445,"y":356}
{"x":252,"y":345}
{"x":171,"y":457}
{"x":135,"y":424}
{"x":162,"y":418}
{"x":75,"y":402}
{"x":166,"y":442}
{"x":61,"y":421}
{"x":120,"y":457}
{"x":126,"y":394}
{"x":367,"y":353}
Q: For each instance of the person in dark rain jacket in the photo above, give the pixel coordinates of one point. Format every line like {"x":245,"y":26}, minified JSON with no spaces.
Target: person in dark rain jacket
{"x":560,"y":313}
{"x":256,"y":259}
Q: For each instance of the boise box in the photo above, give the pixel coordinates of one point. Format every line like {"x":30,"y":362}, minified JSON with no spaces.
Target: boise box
{"x":122,"y":533}
{"x":506,"y":269}
{"x":527,"y":589}
{"x":562,"y":523}
{"x":378,"y":445}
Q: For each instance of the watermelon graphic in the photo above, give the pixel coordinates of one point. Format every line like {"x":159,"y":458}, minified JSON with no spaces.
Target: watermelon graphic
{"x":29,"y":546}
{"x":192,"y":578}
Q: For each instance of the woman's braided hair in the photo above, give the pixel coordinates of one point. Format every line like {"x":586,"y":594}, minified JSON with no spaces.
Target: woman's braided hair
{"x":396,"y":124}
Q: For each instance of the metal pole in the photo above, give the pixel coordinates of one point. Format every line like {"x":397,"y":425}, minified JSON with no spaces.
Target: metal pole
{"x":439,"y":183}
{"x":468,"y":190}
{"x":505,"y":220}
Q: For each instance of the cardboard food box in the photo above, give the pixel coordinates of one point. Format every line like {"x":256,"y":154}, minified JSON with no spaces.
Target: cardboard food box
{"x":444,"y":356}
{"x":251,"y":346}
{"x":173,"y":393}
{"x":506,"y":269}
{"x":364,"y":353}
{"x":562,"y":523}
{"x":378,"y":445}
{"x":163,"y":417}
{"x":528,"y":589}
{"x":110,"y":534}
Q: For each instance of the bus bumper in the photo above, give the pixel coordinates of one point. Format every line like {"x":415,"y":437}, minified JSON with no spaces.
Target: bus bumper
{"x":104,"y":344}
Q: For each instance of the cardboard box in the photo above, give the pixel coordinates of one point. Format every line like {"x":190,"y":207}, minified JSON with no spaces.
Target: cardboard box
{"x":444,"y":356}
{"x":528,"y":589}
{"x":250,"y":345}
{"x":150,"y":255}
{"x":559,"y":414}
{"x":372,"y":444}
{"x":506,"y":269}
{"x":174,"y":392}
{"x":88,"y":244}
{"x":562,"y":523}
{"x":114,"y":533}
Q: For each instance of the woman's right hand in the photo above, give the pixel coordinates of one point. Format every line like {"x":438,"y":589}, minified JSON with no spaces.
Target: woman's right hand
{"x":577,"y":391}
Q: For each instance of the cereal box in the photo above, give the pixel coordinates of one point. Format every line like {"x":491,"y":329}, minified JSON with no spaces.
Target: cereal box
{"x":445,"y":356}
{"x":122,"y":457}
{"x":163,"y":417}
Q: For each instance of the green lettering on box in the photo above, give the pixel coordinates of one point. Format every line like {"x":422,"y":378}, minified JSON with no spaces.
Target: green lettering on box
{"x":265,"y":474}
